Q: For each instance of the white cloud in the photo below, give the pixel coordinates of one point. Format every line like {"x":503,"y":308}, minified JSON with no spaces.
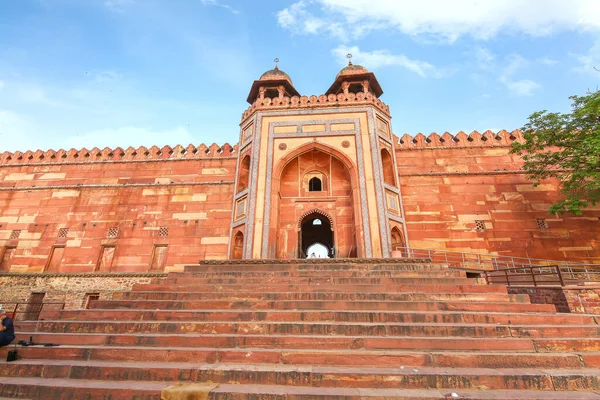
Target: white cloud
{"x":442,"y":19}
{"x":547,"y":61}
{"x":383,"y":58}
{"x":106,"y":76}
{"x":118,"y":5}
{"x":522,"y":87}
{"x":590,"y":62}
{"x":130,"y":136}
{"x":300,"y":21}
{"x":16,"y":132}
{"x":218,"y":4}
{"x":484,"y":57}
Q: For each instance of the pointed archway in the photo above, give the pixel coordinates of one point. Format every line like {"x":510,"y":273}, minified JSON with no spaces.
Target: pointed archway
{"x":316,"y":228}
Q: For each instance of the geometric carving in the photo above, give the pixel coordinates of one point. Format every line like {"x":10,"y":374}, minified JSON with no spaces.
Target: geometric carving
{"x":14,"y":235}
{"x":113,"y":232}
{"x":63,"y":232}
{"x":163,"y":231}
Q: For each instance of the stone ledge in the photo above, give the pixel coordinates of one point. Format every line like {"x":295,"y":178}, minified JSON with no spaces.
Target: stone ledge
{"x":316,"y":261}
{"x":123,"y":185}
{"x":83,"y":275}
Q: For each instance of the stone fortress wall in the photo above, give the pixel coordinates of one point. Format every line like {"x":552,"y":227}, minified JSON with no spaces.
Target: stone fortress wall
{"x":153,"y":210}
{"x":157,"y":209}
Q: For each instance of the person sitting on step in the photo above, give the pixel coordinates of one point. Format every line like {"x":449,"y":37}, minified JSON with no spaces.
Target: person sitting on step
{"x":7,"y":330}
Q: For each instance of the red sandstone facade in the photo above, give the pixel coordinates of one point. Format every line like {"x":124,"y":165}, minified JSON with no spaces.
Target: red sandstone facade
{"x":158,"y":209}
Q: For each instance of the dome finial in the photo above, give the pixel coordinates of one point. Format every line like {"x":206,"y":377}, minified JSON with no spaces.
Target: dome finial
{"x":349,"y":57}
{"x":276,"y":61}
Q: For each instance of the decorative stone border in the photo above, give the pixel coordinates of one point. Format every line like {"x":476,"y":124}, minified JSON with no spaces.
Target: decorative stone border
{"x":315,"y":261}
{"x":84,"y":274}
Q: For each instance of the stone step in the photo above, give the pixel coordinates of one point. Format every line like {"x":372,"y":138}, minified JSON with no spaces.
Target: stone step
{"x":328,"y":305}
{"x":323,"y":280}
{"x":267,"y":287}
{"x":393,"y":273}
{"x":203,"y":316}
{"x":315,"y":376}
{"x":397,"y":265}
{"x":179,"y":295}
{"x":63,"y":389}
{"x":467,"y":358}
{"x":302,"y":328}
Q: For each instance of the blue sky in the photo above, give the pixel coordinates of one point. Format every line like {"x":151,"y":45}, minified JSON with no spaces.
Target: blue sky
{"x":85,"y":73}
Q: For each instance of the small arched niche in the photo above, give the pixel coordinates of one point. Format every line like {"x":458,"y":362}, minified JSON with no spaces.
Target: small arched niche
{"x":315,"y":182}
{"x":238,"y":246}
{"x":387,"y":163}
{"x":398,"y":243}
{"x":244,"y":173}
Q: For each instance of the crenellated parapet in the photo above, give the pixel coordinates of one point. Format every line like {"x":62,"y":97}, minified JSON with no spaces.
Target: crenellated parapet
{"x":461,"y":139}
{"x":331,"y":100}
{"x":139,"y":154}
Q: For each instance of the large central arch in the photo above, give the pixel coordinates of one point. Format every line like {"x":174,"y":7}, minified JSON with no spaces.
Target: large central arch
{"x":315,"y":227}
{"x":336,"y":197}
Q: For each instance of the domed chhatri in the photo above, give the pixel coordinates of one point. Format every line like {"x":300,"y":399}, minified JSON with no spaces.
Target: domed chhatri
{"x":275,"y":74}
{"x":355,"y":78}
{"x":271,"y":84}
{"x":352,"y":69}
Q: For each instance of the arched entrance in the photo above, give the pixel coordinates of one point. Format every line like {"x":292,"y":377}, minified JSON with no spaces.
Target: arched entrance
{"x":316,"y":229}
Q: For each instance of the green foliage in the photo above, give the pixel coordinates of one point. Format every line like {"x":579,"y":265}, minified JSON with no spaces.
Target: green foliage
{"x":566,"y":147}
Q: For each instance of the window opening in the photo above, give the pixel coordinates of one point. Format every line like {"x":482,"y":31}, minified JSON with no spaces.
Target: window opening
{"x":317,"y":222}
{"x":89,"y":297}
{"x":315,"y":185}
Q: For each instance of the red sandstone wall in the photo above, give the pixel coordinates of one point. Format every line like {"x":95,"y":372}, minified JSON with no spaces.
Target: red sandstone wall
{"x":188,"y":191}
{"x":450,"y":182}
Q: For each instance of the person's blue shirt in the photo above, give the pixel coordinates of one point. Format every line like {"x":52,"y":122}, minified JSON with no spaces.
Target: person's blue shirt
{"x":10,"y":329}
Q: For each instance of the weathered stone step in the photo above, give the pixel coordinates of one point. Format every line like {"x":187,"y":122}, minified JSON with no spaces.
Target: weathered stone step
{"x":323,"y":280}
{"x":94,"y":329}
{"x":319,"y":274}
{"x":63,"y":389}
{"x":315,"y":376}
{"x":398,"y":265}
{"x":179,"y":295}
{"x":248,"y":304}
{"x":322,"y":316}
{"x":267,"y":287}
{"x":303,"y":356}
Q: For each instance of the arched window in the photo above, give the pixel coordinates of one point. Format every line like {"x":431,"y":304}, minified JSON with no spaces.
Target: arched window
{"x":317,"y":221}
{"x":388,"y":167}
{"x":398,"y":240}
{"x":238,"y":246}
{"x":315,"y":185}
{"x":244,"y":173}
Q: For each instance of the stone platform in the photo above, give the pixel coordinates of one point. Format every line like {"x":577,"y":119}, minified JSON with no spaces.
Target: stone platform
{"x":311,"y":329}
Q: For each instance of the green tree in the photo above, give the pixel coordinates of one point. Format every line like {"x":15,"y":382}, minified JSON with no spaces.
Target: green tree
{"x":566,"y":147}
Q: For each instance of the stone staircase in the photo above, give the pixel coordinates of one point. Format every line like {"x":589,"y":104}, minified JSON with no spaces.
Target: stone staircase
{"x":311,"y":329}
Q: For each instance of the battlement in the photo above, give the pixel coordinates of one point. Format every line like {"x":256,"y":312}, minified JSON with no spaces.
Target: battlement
{"x":331,"y":100}
{"x":475,"y":139}
{"x":119,"y":154}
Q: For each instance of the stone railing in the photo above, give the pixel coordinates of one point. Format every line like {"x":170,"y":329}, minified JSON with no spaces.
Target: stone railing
{"x":461,"y":139}
{"x":118,"y":154}
{"x":331,"y":100}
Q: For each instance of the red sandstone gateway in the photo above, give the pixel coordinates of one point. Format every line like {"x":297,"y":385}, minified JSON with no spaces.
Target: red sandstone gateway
{"x":102,"y":248}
